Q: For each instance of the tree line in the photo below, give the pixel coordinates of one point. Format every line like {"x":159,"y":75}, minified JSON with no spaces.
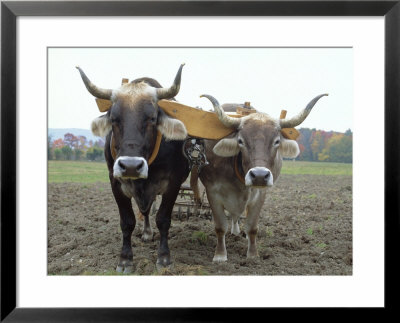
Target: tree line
{"x":315,"y":145}
{"x":325,"y":146}
{"x":73,"y":147}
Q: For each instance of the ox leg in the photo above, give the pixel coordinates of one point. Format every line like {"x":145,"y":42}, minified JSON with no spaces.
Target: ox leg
{"x":221,"y":227}
{"x":127,"y":223}
{"x":147,"y":233}
{"x":251,"y":229}
{"x":163,"y":221}
{"x":251,"y":225}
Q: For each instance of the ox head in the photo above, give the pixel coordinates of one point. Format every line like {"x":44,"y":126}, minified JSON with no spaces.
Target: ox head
{"x":134,"y":119}
{"x":259,"y":140}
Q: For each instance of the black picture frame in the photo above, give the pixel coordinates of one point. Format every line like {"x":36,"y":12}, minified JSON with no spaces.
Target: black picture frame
{"x":11,"y":10}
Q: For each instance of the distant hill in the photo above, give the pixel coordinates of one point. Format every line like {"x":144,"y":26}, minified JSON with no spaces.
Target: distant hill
{"x":57,"y":133}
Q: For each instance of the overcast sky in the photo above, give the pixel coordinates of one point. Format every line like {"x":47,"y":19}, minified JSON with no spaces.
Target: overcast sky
{"x":270,"y":78}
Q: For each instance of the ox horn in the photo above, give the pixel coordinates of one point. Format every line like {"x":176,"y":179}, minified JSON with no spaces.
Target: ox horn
{"x":222,"y":116}
{"x":169,"y":93}
{"x":93,"y":89}
{"x":300,"y":117}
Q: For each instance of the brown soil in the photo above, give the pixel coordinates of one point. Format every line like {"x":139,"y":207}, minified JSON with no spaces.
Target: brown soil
{"x":305,"y":229}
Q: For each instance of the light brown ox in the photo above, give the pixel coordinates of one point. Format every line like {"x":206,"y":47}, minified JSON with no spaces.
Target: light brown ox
{"x":257,"y":148}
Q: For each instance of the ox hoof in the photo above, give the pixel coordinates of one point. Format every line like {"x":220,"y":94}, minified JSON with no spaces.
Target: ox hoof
{"x":125,"y":267}
{"x":124,"y":270}
{"x":252,"y":255}
{"x":220,"y":258}
{"x":147,"y":237}
{"x":161,"y":268}
{"x":163,"y":262}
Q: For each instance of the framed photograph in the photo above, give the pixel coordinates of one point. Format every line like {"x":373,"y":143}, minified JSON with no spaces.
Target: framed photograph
{"x":59,"y":252}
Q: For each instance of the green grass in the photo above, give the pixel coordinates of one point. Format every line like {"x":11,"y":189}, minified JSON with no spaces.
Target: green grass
{"x":316,"y":168}
{"x":93,"y":172}
{"x":321,"y":245}
{"x":77,"y":172}
{"x":200,"y":237}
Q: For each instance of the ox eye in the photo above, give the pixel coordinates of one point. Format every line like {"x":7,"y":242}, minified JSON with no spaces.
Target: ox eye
{"x":277,"y":142}
{"x":240,"y":142}
{"x":114,"y":120}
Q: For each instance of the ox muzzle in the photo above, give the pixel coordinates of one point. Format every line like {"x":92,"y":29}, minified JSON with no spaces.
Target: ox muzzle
{"x":259,"y":177}
{"x":130,"y":168}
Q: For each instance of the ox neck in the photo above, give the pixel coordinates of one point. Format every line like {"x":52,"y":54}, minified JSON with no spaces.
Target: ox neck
{"x":153,"y":154}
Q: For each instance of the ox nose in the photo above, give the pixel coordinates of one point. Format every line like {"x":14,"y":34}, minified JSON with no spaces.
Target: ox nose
{"x":130,"y":167}
{"x":259,"y":176}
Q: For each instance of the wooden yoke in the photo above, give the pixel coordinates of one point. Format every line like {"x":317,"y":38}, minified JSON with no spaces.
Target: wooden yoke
{"x":246,"y":110}
{"x":205,"y":124}
{"x":103,"y":105}
{"x":289,"y":133}
{"x":200,"y":123}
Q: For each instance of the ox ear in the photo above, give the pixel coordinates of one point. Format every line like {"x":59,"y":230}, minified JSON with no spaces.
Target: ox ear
{"x":101,"y":126}
{"x":227,"y":147}
{"x":171,"y":129}
{"x":289,"y":148}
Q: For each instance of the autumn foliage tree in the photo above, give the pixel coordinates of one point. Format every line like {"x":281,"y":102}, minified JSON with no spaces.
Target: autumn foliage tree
{"x":315,"y":145}
{"x":338,"y":149}
{"x":325,"y":146}
{"x":58,"y":143}
{"x":70,"y":140}
{"x":94,"y":153}
{"x":67,"y":152}
{"x":73,"y":147}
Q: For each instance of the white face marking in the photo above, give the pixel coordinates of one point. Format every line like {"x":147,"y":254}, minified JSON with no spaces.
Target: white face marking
{"x":248,"y":181}
{"x":118,"y":171}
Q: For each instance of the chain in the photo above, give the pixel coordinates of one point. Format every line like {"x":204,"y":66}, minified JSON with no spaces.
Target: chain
{"x":193,"y":149}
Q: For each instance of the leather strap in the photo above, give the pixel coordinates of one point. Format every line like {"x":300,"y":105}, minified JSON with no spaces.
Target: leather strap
{"x":156,"y":148}
{"x":153,"y":155}
{"x":112,"y":147}
{"x":238,"y":173}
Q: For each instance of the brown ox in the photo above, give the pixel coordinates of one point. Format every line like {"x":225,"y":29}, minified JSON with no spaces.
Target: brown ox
{"x":242,"y":166}
{"x":132,"y":127}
